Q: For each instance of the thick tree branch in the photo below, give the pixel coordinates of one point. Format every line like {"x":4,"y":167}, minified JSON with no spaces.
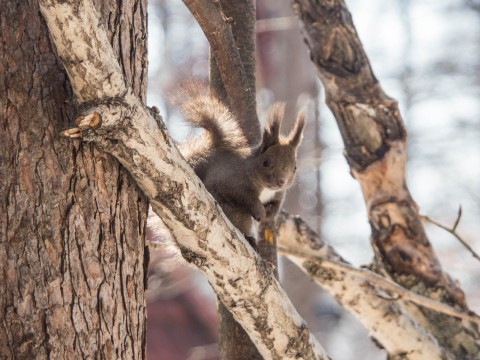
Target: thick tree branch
{"x":92,"y":68}
{"x":137,"y":137}
{"x":395,"y":291}
{"x":384,"y":319}
{"x":374,"y":138}
{"x":240,"y":92}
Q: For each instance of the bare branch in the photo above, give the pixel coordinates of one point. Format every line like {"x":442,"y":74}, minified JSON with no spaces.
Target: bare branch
{"x":459,"y":216}
{"x":92,"y":67}
{"x":453,"y":231}
{"x":375,"y":147}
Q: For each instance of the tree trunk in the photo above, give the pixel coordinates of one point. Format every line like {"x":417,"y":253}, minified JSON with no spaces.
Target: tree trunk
{"x":72,"y":220}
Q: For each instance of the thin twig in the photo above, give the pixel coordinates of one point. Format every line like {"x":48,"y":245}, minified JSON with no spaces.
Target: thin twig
{"x":384,"y":284}
{"x":453,"y":231}
{"x":459,"y":216}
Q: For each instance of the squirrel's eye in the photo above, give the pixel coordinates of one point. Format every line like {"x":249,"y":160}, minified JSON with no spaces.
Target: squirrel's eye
{"x":295,"y":168}
{"x":266,"y":163}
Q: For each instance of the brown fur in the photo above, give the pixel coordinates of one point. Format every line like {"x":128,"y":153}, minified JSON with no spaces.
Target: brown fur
{"x":222,"y":131}
{"x":234,"y":173}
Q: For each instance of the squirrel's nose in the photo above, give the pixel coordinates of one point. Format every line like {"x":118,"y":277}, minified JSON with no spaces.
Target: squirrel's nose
{"x":280,"y":182}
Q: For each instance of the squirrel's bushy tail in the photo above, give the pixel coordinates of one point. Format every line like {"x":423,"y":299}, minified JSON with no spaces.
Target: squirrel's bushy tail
{"x":205,"y":111}
{"x":222,"y":132}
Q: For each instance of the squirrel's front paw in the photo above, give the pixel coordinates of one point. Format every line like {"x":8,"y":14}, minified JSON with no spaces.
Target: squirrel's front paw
{"x":271,"y":209}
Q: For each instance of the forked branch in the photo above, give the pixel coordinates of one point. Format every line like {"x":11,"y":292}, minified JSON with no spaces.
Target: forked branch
{"x":375,"y":146}
{"x":453,"y":230}
{"x":394,"y":291}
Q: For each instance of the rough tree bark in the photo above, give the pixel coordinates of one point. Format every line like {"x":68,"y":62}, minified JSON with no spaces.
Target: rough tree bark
{"x":72,"y":220}
{"x":374,"y":137}
{"x":118,"y":123}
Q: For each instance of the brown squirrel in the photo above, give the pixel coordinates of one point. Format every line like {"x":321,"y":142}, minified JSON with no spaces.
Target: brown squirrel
{"x":247,"y":182}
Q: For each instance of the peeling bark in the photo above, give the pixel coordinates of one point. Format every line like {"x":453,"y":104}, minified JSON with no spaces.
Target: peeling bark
{"x":136,"y":136}
{"x":374,"y":137}
{"x":72,"y":221}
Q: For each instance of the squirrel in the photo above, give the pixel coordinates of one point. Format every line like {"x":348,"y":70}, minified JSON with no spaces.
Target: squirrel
{"x":248,"y":182}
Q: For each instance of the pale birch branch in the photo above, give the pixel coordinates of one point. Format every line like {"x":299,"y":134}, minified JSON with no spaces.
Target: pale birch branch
{"x":395,"y":291}
{"x":385,"y":320}
{"x":87,"y":55}
{"x":137,"y":137}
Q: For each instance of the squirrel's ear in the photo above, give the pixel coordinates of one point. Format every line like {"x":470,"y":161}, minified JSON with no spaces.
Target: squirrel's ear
{"x":271,"y":132}
{"x":296,"y":134}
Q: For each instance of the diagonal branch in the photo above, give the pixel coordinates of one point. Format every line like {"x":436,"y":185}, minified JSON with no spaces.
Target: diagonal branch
{"x":385,"y":319}
{"x":395,"y":291}
{"x":92,"y":68}
{"x":136,"y":136}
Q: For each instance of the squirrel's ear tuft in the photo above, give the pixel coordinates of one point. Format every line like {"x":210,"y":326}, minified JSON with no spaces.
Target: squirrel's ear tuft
{"x":271,"y":133}
{"x":296,"y":135}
